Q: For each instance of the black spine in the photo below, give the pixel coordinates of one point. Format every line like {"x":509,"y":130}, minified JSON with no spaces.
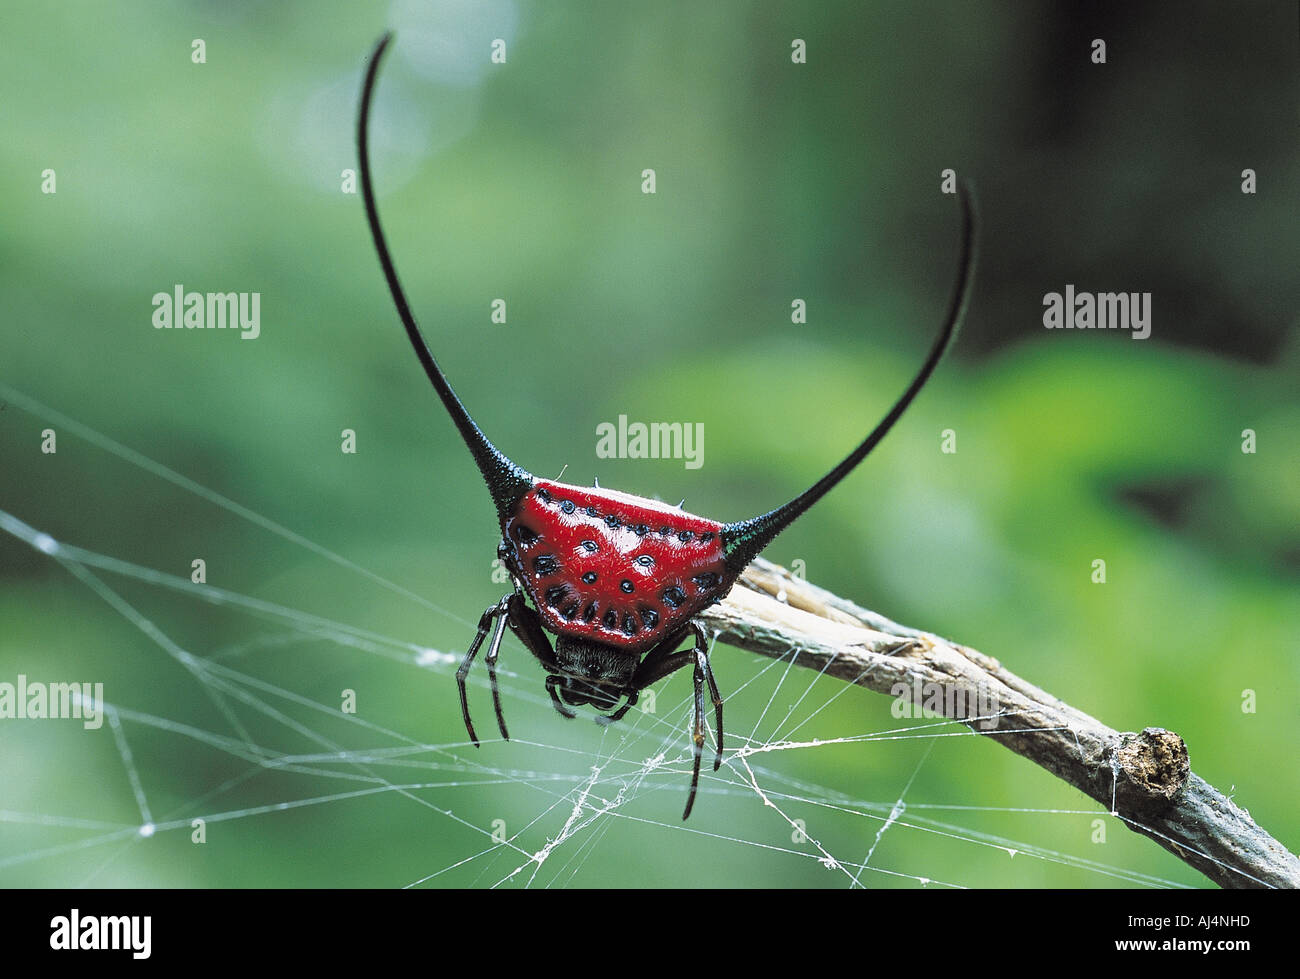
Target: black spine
{"x":744,"y":540}
{"x":506,"y":481}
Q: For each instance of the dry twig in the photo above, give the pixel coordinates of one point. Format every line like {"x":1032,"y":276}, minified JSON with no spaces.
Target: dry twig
{"x":1142,"y":778}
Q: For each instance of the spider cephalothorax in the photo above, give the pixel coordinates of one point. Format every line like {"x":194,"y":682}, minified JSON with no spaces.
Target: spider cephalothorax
{"x":618,"y":579}
{"x":591,"y":674}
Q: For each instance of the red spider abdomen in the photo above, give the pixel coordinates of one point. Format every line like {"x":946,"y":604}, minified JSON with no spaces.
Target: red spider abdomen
{"x":612,"y":567}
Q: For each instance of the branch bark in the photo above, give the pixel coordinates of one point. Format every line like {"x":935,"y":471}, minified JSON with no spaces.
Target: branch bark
{"x":1143,"y":778}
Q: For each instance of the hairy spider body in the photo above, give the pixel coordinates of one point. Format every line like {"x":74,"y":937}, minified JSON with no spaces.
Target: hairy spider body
{"x":618,"y":579}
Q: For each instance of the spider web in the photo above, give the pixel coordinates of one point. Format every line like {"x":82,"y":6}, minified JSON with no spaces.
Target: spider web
{"x":234,"y":725}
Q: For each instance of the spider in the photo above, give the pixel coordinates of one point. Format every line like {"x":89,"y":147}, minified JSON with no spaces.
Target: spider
{"x":618,"y":579}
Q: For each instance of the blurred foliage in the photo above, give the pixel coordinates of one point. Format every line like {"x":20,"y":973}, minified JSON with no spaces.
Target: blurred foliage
{"x":774,"y":181}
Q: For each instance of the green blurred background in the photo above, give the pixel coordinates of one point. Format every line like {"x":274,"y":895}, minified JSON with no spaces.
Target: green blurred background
{"x":522,"y":181}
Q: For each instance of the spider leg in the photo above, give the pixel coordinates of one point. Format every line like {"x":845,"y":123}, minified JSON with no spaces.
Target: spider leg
{"x":702,"y":663}
{"x":659,"y":663}
{"x":618,"y":714}
{"x":697,"y":736}
{"x":526,"y":624}
{"x":494,"y":648}
{"x":552,"y":682}
{"x":494,"y":614}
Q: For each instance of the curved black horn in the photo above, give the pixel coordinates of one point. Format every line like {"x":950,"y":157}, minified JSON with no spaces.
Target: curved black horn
{"x":742,"y":541}
{"x":506,"y":481}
